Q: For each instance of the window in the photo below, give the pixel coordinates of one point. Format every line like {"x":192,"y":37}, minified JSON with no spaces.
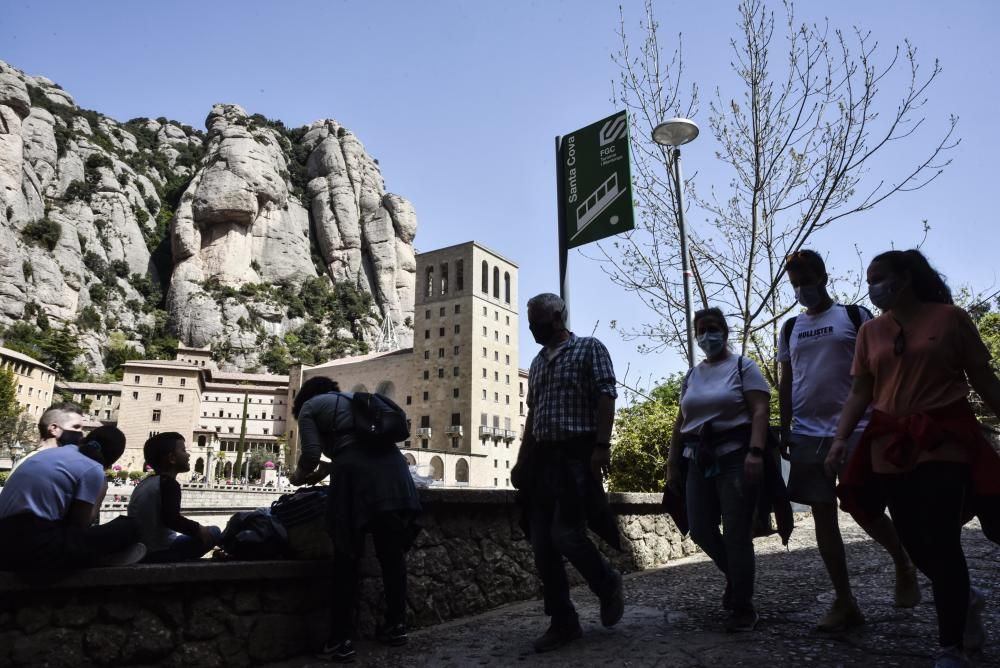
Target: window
{"x":158,"y":396}
{"x":444,"y":280}
{"x":507,"y":399}
{"x":484,"y":331}
{"x":409,"y":400}
{"x":484,"y":352}
{"x":180,"y":398}
{"x":266,"y":431}
{"x":508,"y":318}
{"x":496,"y":464}
{"x":423,"y":443}
{"x":456,"y":443}
{"x":454,"y":393}
{"x":484,"y":310}
{"x":427,"y":333}
{"x":156,"y":415}
{"x":222,"y":413}
{"x":456,"y":350}
{"x":506,"y":359}
{"x":483,"y":419}
{"x":458,"y":307}
{"x":496,"y":397}
{"x":135,"y":395}
{"x":440,"y":352}
{"x":440,"y":372}
{"x":441,"y":331}
{"x":496,"y":335}
{"x":484,"y":394}
{"x":496,"y":355}
{"x":484,"y":372}
{"x":426,"y":396}
{"x":458,"y":329}
{"x":232,"y":430}
{"x":454,"y":371}
{"x":506,"y":287}
{"x":427,"y":314}
{"x":425,"y":421}
{"x":507,"y":381}
{"x":184,"y":382}
{"x":218,"y":428}
{"x":507,"y":339}
{"x":159,"y":381}
{"x":427,"y":374}
{"x":496,"y":316}
{"x":456,"y":419}
{"x":107,"y":415}
{"x":496,"y":282}
{"x":406,"y":444}
{"x":136,"y":379}
{"x":486,"y":279}
{"x":459,"y":277}
{"x":496,"y":376}
{"x":429,"y":287}
{"x":427,"y":354}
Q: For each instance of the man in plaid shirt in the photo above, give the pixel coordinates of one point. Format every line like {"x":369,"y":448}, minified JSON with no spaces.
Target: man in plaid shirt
{"x":564,"y":453}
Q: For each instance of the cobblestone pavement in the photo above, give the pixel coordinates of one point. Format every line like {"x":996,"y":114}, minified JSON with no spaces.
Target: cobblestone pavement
{"x":673,"y":618}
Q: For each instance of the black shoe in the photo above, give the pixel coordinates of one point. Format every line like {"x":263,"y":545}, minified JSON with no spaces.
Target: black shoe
{"x":742,"y":621}
{"x":560,"y":632}
{"x":613,"y":603}
{"x":338,"y":651}
{"x":395,"y":636}
{"x":727,"y":597}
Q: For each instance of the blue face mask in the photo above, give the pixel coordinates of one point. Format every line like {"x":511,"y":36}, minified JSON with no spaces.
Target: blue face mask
{"x":883,"y":294}
{"x":809,"y":295}
{"x":711,"y":343}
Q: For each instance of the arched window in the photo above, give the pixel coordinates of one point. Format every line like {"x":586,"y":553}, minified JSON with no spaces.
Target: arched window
{"x":410,"y":459}
{"x":444,"y":278}
{"x":506,"y":286}
{"x":429,"y":290}
{"x":199,"y":465}
{"x":461,"y":471}
{"x":496,"y":283}
{"x":486,"y":278}
{"x":437,"y":468}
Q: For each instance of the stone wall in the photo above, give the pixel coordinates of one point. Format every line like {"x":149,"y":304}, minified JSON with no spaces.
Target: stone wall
{"x":471,"y":557}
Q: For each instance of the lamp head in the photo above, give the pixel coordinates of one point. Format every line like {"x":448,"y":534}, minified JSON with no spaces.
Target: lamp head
{"x":675,"y":132}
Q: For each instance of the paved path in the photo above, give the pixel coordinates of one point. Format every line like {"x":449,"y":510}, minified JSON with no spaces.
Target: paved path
{"x":673,"y":618}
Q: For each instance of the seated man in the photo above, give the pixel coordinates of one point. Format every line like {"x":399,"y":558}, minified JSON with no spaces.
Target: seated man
{"x":156,"y":505}
{"x":57,"y":419}
{"x":50,"y":504}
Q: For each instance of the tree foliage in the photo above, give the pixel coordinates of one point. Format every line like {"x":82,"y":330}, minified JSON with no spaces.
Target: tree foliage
{"x":642,"y":439}
{"x":797,"y":140}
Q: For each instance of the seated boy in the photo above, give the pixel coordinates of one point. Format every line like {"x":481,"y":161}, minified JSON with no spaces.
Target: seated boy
{"x":50,"y":503}
{"x":156,"y":505}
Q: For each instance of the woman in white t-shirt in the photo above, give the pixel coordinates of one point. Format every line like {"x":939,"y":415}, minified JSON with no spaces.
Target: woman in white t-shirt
{"x":720,"y":435}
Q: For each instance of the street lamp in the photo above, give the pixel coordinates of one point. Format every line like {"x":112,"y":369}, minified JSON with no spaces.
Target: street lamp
{"x":674,"y":133}
{"x":16,"y":451}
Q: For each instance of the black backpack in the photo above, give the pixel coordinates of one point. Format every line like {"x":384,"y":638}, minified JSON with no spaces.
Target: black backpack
{"x":853,"y":312}
{"x":378,"y":420}
{"x":255,"y":534}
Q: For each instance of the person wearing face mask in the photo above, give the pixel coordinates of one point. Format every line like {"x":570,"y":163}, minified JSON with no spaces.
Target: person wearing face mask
{"x":564,"y":452}
{"x":49,"y":506}
{"x":815,"y":351}
{"x":719,"y":437}
{"x":57,"y":419}
{"x":923,"y":453}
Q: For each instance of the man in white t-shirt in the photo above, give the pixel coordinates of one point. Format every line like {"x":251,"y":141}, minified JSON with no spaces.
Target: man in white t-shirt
{"x":49,"y":505}
{"x":815,"y":350}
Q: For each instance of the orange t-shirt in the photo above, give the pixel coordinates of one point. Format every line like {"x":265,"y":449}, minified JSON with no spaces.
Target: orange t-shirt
{"x":941,"y":342}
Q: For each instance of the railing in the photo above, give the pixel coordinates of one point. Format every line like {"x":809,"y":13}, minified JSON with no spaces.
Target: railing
{"x":485,"y":432}
{"x":454,"y":430}
{"x":508,"y":435}
{"x":424,"y":432}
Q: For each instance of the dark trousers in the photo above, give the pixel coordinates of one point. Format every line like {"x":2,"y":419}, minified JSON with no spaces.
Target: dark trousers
{"x":558,"y":527}
{"x":926,"y":508}
{"x":29,"y":542}
{"x":389,"y":536}
{"x":727,"y":498}
{"x":183,"y":548}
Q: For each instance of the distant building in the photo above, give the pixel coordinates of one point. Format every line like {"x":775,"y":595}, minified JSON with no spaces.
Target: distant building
{"x":35,"y":381}
{"x":100,"y":402}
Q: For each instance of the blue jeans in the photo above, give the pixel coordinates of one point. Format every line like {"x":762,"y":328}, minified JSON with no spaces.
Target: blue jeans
{"x":726,"y":497}
{"x":183,"y":548}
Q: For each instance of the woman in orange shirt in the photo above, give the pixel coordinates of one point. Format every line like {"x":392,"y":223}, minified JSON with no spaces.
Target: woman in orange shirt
{"x":923,"y":453}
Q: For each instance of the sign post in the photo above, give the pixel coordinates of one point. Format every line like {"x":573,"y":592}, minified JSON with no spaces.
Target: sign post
{"x":593,"y":166}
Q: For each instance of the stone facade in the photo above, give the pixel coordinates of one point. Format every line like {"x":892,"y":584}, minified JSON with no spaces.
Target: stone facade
{"x":100,"y":401}
{"x":35,"y":381}
{"x":471,"y":557}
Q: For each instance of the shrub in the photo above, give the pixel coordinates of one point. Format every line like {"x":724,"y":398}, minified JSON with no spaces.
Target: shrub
{"x":77,"y":190}
{"x":44,"y":233}
{"x":120,"y":268}
{"x":89,"y":318}
{"x":95,"y":160}
{"x":98,"y":294}
{"x":27,"y":270}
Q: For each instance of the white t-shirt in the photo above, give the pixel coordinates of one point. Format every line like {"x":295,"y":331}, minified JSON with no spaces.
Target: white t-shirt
{"x":822,"y":350}
{"x":714,"y":393}
{"x":47,"y":483}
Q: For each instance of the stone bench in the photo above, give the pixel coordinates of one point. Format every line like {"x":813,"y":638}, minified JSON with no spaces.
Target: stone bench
{"x":470,"y":557}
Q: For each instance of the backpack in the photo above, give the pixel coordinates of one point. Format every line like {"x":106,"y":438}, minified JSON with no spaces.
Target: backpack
{"x":255,"y":535}
{"x":303,"y":514}
{"x":378,"y":420}
{"x":853,"y":312}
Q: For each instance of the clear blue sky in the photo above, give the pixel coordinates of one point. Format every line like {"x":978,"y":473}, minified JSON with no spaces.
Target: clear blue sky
{"x":460,"y":102}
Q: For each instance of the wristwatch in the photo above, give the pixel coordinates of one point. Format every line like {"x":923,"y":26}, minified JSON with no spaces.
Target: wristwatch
{"x":759,"y":452}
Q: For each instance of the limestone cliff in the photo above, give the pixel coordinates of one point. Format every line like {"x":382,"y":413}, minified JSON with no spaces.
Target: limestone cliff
{"x":267,"y":243}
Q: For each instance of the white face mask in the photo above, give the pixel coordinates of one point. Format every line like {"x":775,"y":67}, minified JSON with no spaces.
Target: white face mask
{"x":809,"y":296}
{"x":711,"y":343}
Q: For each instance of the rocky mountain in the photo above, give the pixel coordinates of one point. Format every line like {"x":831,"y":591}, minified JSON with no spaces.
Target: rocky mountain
{"x":266,"y":243}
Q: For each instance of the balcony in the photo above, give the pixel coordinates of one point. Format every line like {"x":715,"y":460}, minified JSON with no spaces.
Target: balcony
{"x":424,"y":432}
{"x":508,"y":435}
{"x":454,"y":430}
{"x":485,"y":432}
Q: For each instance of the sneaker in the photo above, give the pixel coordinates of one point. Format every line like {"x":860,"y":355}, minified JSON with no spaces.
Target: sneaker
{"x":975,"y":635}
{"x":132,"y":554}
{"x":841,"y":617}
{"x":394,"y":636}
{"x":951,"y":657}
{"x":907,"y":587}
{"x":727,"y":596}
{"x":559,"y":633}
{"x":613,"y":603}
{"x":742,"y":621}
{"x":341,"y":651}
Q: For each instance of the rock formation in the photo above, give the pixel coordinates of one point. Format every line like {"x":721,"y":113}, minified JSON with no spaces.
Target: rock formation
{"x":133,"y":233}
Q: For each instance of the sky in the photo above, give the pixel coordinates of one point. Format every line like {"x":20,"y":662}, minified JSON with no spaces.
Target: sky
{"x":460,"y":103}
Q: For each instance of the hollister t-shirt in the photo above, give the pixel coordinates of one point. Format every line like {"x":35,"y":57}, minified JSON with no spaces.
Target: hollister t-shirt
{"x":821,"y":351}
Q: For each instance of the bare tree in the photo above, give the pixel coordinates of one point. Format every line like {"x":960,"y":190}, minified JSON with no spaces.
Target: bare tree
{"x":799,"y":141}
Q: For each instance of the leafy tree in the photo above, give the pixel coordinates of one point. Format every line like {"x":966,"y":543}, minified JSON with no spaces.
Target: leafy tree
{"x":44,"y":233}
{"x":642,"y":439}
{"x":14,"y":423}
{"x":797,"y":138}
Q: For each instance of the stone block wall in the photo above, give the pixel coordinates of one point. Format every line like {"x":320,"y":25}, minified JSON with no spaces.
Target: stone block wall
{"x":470,"y":558}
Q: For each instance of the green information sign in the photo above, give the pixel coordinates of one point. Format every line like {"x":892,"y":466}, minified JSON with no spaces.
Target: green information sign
{"x":596,"y":181}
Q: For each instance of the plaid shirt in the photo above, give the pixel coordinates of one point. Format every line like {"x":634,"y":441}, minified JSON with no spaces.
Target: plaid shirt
{"x":563,"y":391}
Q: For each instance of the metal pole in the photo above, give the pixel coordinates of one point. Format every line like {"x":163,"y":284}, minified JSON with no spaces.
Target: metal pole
{"x":685,"y":258}
{"x":563,"y":250}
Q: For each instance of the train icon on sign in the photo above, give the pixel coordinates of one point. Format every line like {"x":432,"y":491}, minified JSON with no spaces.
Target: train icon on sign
{"x":598,"y":201}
